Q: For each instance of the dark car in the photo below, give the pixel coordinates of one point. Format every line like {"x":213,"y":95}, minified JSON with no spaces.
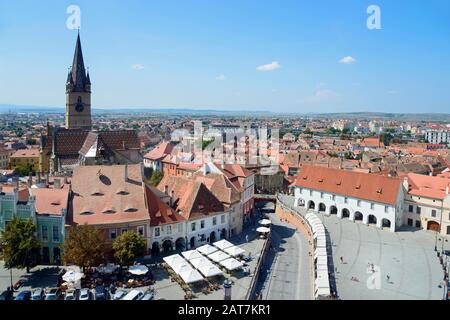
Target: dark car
{"x":101,"y":293}
{"x":24,"y":295}
{"x":7,"y":295}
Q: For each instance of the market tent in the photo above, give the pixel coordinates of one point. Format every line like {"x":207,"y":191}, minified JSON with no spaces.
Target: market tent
{"x":222,"y":244}
{"x":138,"y":270}
{"x":234,"y":251}
{"x":173,"y":259}
{"x":200,"y":261}
{"x":321,"y":242}
{"x":218,"y":256}
{"x":191,"y":254}
{"x":320,"y":252}
{"x":231,"y":264}
{"x":265,"y":222}
{"x":190,"y":275}
{"x":72,"y":276}
{"x":209,"y":270}
{"x":207,"y":249}
{"x":322,"y":260}
{"x":109,"y":268}
{"x":181,"y":267}
{"x":263,"y":230}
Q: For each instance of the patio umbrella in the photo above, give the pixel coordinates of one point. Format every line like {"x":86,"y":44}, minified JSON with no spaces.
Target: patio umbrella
{"x":231,"y":264}
{"x":138,"y":270}
{"x":222,"y":244}
{"x":263,"y":230}
{"x":173,"y":259}
{"x":191,"y":254}
{"x":109,"y":268}
{"x":200,"y":262}
{"x":207,"y":249}
{"x":190,"y":276}
{"x":209,"y":270}
{"x":265,"y":222}
{"x":181,"y":267}
{"x":234,"y":251}
{"x":218,"y":256}
{"x":72,"y":276}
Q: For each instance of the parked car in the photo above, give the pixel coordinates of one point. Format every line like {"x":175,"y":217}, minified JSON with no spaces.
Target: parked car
{"x":119,"y":294}
{"x":85,"y":294}
{"x":24,"y":295}
{"x":7,"y":295}
{"x":53,"y":294}
{"x":101,"y":293}
{"x":71,"y":295}
{"x":38,"y":294}
{"x":133,"y":295}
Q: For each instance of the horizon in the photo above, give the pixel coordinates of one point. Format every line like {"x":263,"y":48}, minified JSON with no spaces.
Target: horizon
{"x":177,"y":56}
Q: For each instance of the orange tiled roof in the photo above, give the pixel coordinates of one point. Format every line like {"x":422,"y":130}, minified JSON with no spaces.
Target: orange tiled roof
{"x":427,"y":186}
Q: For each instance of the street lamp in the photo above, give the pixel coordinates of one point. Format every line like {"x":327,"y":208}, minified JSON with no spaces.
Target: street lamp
{"x":227,"y":289}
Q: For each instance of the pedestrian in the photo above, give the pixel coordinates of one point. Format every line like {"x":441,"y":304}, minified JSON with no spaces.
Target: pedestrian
{"x":342,"y":259}
{"x":246,"y":238}
{"x":388,"y":278}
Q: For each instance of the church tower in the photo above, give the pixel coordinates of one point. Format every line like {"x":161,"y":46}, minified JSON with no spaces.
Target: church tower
{"x":78,"y":93}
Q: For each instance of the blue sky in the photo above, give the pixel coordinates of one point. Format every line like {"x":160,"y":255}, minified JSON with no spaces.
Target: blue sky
{"x":205,"y":54}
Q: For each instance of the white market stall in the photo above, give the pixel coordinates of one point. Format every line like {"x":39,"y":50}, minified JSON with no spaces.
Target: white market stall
{"x":218,"y":256}
{"x":207,"y":249}
{"x":234,"y":251}
{"x":222,"y":244}
{"x":191,"y":254}
{"x":231,"y":264}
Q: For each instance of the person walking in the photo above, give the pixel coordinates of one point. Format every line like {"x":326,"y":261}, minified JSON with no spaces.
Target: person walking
{"x":388,"y":278}
{"x":342,"y":259}
{"x":246,"y":238}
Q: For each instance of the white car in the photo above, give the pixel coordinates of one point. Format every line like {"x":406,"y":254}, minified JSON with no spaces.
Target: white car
{"x":85,"y":294}
{"x":119,"y":294}
{"x":133,"y":295}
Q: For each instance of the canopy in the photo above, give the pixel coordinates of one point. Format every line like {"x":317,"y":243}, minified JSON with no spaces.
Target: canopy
{"x":209,"y":270}
{"x":181,"y":267}
{"x":234,"y":251}
{"x":222,"y":244}
{"x":200,"y":261}
{"x":138,"y":270}
{"x":263,"y":230}
{"x":109,"y":268}
{"x":231,"y":264}
{"x":72,"y":276}
{"x":322,"y":260}
{"x":190,"y":275}
{"x":218,"y":256}
{"x":207,"y":249}
{"x":191,"y":254}
{"x":265,"y":222}
{"x":173,"y":259}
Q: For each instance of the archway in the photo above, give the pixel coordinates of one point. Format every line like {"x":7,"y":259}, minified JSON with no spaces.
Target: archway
{"x":301,"y":202}
{"x":433,"y":226}
{"x":155,"y":248}
{"x":345,"y":213}
{"x":311,"y":205}
{"x":46,"y":255}
{"x":167,"y":246}
{"x":322,"y":207}
{"x":180,"y":244}
{"x":212,"y":237}
{"x":223,"y":234}
{"x":358,"y":216}
{"x":385,"y":223}
{"x":57,"y":255}
{"x":372,"y":219}
{"x":192,"y":243}
{"x":333,"y":210}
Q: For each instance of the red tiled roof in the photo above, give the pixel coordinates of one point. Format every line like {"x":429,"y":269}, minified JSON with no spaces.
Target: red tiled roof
{"x":50,"y":201}
{"x":353,"y":184}
{"x":427,"y":186}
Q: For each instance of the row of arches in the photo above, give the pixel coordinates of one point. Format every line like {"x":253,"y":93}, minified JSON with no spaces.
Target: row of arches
{"x":345,"y":213}
{"x":168,"y":245}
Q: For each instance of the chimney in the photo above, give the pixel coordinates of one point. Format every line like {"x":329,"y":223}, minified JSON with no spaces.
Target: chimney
{"x":30,"y":180}
{"x":38,"y":177}
{"x":172,"y":194}
{"x":57,"y":183}
{"x":126,"y":172}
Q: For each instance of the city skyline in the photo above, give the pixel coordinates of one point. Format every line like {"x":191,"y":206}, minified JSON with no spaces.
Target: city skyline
{"x":295,"y":58}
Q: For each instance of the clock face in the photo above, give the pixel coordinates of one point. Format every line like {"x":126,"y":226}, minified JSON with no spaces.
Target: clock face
{"x":79,"y":107}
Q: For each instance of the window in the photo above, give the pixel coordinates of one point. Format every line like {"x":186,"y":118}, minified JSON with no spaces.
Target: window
{"x":55,"y":234}
{"x":333,"y":197}
{"x":169,"y":230}
{"x":222,"y":219}
{"x":418,"y":210}
{"x":112,"y":234}
{"x":417,"y":223}
{"x":448,"y":229}
{"x":433,"y":213}
{"x":386,"y":208}
{"x":410,"y":222}
{"x":372,"y":206}
{"x":214,"y":221}
{"x":345,"y":200}
{"x":157,"y":232}
{"x":44,"y":233}
{"x":202,"y":224}
{"x":141,"y":230}
{"x":123,"y":230}
{"x":321,"y":195}
{"x":411,"y":207}
{"x":358,"y":203}
{"x":193,"y":226}
{"x":180,"y":227}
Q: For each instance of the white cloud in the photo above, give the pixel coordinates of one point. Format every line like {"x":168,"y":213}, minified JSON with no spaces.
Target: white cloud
{"x":269,"y":67}
{"x":220,"y":77}
{"x":322,"y":95}
{"x":137,"y":66}
{"x":347,"y":60}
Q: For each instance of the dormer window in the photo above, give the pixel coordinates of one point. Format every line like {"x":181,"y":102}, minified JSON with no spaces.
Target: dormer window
{"x":131,"y":210}
{"x":86,"y":212}
{"x":109,"y":211}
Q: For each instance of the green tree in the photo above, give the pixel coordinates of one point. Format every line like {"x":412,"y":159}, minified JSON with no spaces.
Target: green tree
{"x":19,"y":245}
{"x":127,"y":247}
{"x":85,"y":246}
{"x":24,"y":170}
{"x":156,"y":178}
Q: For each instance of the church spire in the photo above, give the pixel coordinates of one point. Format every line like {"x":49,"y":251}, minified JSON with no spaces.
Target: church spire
{"x":78,"y":70}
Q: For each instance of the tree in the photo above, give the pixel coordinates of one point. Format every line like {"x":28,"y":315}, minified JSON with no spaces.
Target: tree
{"x":127,"y":247}
{"x":156,"y":178}
{"x":85,"y":246}
{"x":24,"y":170}
{"x":19,"y":245}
